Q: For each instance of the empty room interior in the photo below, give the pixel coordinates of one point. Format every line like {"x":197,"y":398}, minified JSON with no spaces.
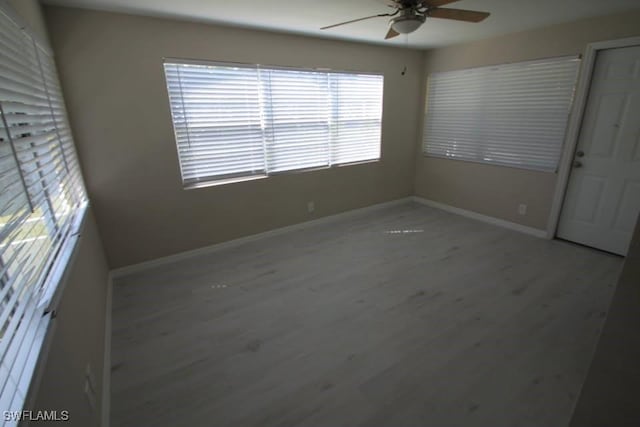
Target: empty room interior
{"x":332,"y":213}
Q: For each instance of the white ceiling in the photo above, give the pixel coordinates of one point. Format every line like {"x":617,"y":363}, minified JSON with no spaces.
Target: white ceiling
{"x":307,"y":16}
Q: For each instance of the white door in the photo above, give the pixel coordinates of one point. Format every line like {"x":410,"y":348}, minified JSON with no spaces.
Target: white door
{"x":603,"y":196}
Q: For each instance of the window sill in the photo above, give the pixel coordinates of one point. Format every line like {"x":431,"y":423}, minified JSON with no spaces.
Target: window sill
{"x":205,"y":184}
{"x":55,"y":284}
{"x":212,"y":183}
{"x":56,"y":281}
{"x":488,"y":163}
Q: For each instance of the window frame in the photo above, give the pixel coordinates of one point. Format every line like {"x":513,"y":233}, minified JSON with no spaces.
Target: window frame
{"x":482,"y":145}
{"x":56,"y":266}
{"x":210,"y":181}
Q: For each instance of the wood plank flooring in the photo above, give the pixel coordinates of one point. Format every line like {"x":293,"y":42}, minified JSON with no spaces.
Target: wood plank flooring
{"x":406,"y":316}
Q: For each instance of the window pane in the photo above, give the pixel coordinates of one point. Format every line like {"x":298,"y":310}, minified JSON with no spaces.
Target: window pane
{"x":297,"y":109}
{"x":359,"y":117}
{"x":217,"y":121}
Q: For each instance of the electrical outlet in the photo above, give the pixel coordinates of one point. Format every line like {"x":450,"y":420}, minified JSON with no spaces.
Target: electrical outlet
{"x":311,"y":206}
{"x":522,"y":209}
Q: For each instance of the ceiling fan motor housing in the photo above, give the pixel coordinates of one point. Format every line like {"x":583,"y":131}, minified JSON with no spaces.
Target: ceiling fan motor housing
{"x":408,"y":21}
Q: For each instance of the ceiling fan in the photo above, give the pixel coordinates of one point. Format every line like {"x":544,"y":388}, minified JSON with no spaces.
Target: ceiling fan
{"x":411,"y":14}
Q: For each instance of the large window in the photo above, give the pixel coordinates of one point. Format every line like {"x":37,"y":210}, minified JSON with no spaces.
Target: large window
{"x":513,"y":114}
{"x":41,"y":201}
{"x":240,"y":121}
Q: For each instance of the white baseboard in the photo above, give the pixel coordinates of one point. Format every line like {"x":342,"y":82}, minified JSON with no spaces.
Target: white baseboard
{"x":484,"y":218}
{"x":106,"y":368}
{"x":135,"y":268}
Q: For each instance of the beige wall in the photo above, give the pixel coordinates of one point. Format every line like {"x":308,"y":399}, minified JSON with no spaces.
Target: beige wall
{"x":78,"y":336}
{"x":494,"y":190}
{"x":111,"y":70}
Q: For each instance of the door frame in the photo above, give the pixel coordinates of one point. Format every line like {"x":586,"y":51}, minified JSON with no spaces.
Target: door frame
{"x":581,"y":96}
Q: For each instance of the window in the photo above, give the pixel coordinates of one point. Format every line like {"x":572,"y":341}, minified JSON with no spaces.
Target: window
{"x":513,"y":114}
{"x":41,"y":203}
{"x":242,"y":121}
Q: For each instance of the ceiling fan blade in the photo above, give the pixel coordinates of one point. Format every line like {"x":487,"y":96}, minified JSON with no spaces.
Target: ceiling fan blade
{"x":436,"y":3}
{"x":391,"y":34}
{"x":458,"y":14}
{"x":356,"y":20}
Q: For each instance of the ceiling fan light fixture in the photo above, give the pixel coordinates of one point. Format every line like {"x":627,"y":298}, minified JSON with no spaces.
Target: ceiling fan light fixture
{"x":406,"y":24}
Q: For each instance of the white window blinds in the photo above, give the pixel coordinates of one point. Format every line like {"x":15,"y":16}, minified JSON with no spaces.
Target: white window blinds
{"x":297,"y":119}
{"x":234,"y":121}
{"x":356,"y":121}
{"x":512,"y":114}
{"x":217,"y":120}
{"x":40,"y":200}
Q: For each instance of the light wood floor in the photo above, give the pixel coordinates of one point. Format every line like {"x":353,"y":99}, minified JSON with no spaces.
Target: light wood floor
{"x":361,"y":323}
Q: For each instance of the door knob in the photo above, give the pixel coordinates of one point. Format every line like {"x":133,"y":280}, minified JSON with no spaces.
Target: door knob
{"x":580,"y":153}
{"x":577,"y":164}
